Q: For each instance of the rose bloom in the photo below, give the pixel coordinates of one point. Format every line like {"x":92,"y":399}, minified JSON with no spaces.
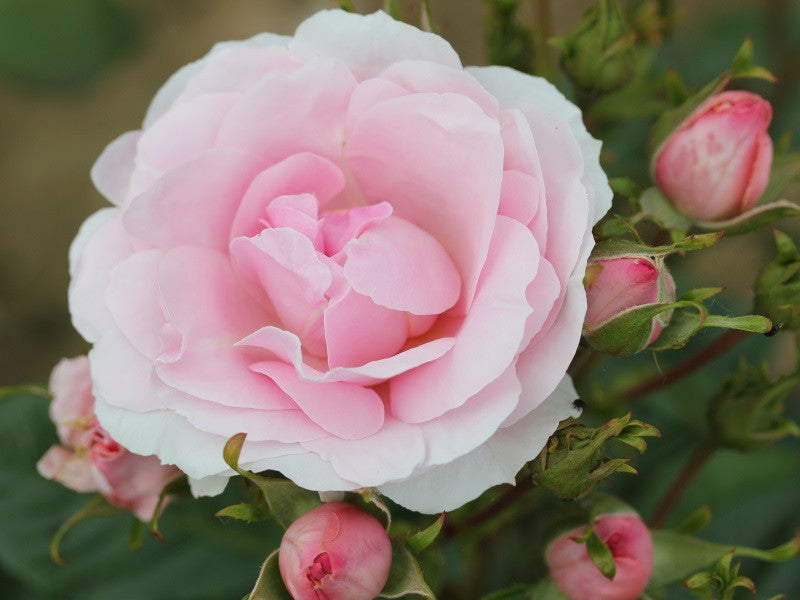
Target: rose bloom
{"x":346,"y":245}
{"x":89,"y":460}
{"x":579,"y":578}
{"x":717,"y":163}
{"x":335,"y":552}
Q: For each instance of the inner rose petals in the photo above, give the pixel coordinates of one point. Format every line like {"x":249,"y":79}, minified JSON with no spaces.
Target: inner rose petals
{"x":294,"y":279}
{"x":402,"y":267}
{"x":484,"y":346}
{"x":430,"y":155}
{"x":345,"y":410}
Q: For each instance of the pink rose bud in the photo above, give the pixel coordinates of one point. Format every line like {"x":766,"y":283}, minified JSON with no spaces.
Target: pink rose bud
{"x":578,"y":577}
{"x":717,"y":163}
{"x":618,"y":284}
{"x":89,"y":460}
{"x":335,"y":552}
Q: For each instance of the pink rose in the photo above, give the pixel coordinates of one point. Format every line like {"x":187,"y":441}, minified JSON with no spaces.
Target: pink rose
{"x":615,"y":285}
{"x":579,"y":578}
{"x":335,"y":552}
{"x":717,"y":163}
{"x":344,"y":244}
{"x":89,"y":459}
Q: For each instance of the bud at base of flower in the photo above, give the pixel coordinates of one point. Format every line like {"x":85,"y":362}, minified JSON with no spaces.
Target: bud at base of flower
{"x":631,"y":546}
{"x":716,"y":164}
{"x":335,"y":551}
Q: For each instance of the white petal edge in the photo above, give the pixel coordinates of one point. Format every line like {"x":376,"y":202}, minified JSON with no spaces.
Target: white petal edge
{"x":497,"y":461}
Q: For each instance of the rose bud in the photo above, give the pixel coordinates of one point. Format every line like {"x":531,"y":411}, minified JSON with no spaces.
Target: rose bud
{"x":748,"y":412}
{"x":614,"y":287}
{"x":717,"y":163}
{"x":778,"y":285}
{"x":335,"y":552}
{"x":631,"y":546}
{"x":89,"y":460}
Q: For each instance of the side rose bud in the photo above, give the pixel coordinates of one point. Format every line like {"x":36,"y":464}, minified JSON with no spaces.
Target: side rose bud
{"x":630,"y":545}
{"x":597,"y":54}
{"x":778,"y":285}
{"x":88,"y":459}
{"x":337,"y":552}
{"x":614,"y":288}
{"x":717,"y":163}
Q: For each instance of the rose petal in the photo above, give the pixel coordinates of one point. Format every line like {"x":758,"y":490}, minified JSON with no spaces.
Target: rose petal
{"x":431,"y":155}
{"x":489,"y":338}
{"x":402,"y":267}
{"x":368,"y":43}
{"x":345,"y":410}
{"x":496,"y":461}
{"x":111,"y":172}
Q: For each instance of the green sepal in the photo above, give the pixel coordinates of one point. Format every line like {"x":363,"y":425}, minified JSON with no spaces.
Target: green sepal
{"x":177,"y":488}
{"x":285,"y":500}
{"x":573,"y":462}
{"x":426,"y":20}
{"x":269,"y":584}
{"x":598,"y":552}
{"x":741,"y":67}
{"x":753,"y":219}
{"x":136,"y":534}
{"x":25,"y":389}
{"x":391,"y":8}
{"x":622,"y":248}
{"x":751,"y":323}
{"x":424,"y":538}
{"x":251,"y":513}
{"x":405,"y":576}
{"x":97,"y":506}
{"x":377,"y":507}
{"x":696,"y":521}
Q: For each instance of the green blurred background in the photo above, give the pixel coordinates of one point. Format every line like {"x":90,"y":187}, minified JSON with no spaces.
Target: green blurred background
{"x":74,"y":74}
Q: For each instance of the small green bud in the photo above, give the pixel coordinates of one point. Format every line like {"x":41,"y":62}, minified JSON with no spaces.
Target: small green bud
{"x":573,"y":461}
{"x":747,"y":413}
{"x":598,"y":53}
{"x":778,"y":285}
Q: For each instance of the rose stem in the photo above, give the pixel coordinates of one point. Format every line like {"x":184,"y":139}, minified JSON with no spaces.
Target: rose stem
{"x":718,"y":347}
{"x":692,"y":467}
{"x":543,"y":28}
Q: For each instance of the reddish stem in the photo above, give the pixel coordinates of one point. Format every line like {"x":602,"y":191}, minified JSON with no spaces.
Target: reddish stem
{"x":690,"y":470}
{"x":718,"y":347}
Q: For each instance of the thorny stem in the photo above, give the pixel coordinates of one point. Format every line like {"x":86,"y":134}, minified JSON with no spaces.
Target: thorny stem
{"x":690,"y":470}
{"x":718,"y":347}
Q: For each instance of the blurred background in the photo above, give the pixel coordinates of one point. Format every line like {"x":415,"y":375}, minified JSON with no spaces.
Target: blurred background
{"x":74,"y":74}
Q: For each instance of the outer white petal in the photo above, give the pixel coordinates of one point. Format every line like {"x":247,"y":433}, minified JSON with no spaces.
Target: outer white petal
{"x":169,"y":92}
{"x":449,"y":486}
{"x":515,"y":89}
{"x":368,"y":44}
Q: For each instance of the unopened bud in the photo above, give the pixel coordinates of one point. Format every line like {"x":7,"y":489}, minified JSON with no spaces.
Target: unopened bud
{"x":335,"y":551}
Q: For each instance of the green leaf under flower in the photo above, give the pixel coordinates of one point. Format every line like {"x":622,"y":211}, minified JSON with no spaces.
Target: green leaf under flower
{"x":286,"y":500}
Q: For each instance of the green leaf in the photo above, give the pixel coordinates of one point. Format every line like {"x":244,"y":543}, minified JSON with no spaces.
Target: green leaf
{"x":662,"y":211}
{"x":678,"y":555}
{"x":696,"y":521}
{"x":753,"y":219}
{"x":624,"y":186}
{"x":422,"y":539}
{"x":751,"y":323}
{"x":391,"y":8}
{"x":269,"y":585}
{"x":286,"y":500}
{"x":244,"y":511}
{"x":98,"y":506}
{"x":405,"y":576}
{"x":701,"y":294}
